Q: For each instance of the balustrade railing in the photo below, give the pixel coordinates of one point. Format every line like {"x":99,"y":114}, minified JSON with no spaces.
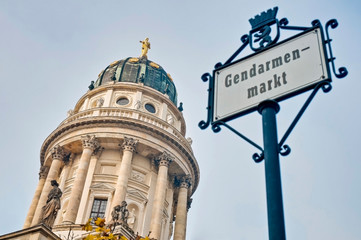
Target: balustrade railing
{"x":125,"y":113}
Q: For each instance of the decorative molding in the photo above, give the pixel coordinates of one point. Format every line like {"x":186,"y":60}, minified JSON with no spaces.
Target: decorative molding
{"x":102,"y":187}
{"x":58,"y":152}
{"x":98,"y":151}
{"x":138,"y":176}
{"x":137,"y":196}
{"x":118,"y":95}
{"x":129,"y":144}
{"x":189,"y":203}
{"x":109,"y":122}
{"x":164,"y":159}
{"x":70,"y":112}
{"x":43,"y":172}
{"x":183,"y":181}
{"x":90,"y":141}
{"x":153,"y":163}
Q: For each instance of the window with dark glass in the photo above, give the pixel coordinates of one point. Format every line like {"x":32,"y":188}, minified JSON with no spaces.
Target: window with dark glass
{"x":123,"y":101}
{"x":150,"y":108}
{"x":98,"y":208}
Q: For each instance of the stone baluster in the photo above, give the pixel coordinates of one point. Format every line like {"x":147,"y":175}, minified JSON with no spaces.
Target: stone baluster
{"x":159,"y":197}
{"x":90,"y":143}
{"x":129,"y":147}
{"x":58,"y":155}
{"x":182,"y":207}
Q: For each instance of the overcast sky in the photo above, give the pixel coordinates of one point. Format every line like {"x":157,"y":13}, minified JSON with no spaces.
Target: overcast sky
{"x":51,"y":50}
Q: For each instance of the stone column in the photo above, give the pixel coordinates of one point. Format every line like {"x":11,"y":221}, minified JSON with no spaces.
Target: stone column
{"x":58,"y":155}
{"x":89,"y":178}
{"x":182,"y":207}
{"x":42,"y":176}
{"x":90,"y":143}
{"x":159,"y":197}
{"x":128,"y":146}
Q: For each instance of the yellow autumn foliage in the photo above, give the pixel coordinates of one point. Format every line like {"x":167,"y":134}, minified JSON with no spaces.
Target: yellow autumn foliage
{"x":87,"y":226}
{"x":104,"y":233}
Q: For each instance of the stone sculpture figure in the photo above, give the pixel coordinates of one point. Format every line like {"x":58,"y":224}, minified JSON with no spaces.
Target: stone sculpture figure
{"x":115,"y":214}
{"x":52,"y":206}
{"x":115,"y":217}
{"x":91,"y":86}
{"x":131,"y":218}
{"x":100,"y":102}
{"x":124,"y":213}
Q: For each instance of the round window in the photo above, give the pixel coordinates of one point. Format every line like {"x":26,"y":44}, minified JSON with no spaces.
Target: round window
{"x":150,"y":108}
{"x":123,"y":101}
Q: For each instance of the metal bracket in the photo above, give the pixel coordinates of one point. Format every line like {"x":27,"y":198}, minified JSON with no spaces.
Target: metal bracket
{"x":285,"y":149}
{"x":204,"y":124}
{"x":256,"y":157}
{"x":342,"y":70}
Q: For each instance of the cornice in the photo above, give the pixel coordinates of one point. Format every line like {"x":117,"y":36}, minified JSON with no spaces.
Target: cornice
{"x":123,"y":123}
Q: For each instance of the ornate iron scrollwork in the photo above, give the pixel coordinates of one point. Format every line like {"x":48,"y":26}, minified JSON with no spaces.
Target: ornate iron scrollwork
{"x":342,"y":70}
{"x":262,"y":27}
{"x":285,"y":150}
{"x":204,"y":124}
{"x":258,"y":157}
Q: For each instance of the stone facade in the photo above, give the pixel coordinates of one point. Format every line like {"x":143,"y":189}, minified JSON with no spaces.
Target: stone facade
{"x":111,"y":148}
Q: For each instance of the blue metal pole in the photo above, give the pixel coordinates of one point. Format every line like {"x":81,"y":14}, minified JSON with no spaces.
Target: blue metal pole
{"x":276,"y":223}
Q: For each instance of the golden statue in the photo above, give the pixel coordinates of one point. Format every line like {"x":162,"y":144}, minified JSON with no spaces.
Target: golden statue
{"x":145,"y":48}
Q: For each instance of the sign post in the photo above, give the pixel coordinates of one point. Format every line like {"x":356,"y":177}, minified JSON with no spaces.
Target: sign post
{"x":275,"y":72}
{"x":276,"y":222}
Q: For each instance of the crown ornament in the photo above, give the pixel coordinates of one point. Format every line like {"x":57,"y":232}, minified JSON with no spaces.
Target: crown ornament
{"x":264,"y":18}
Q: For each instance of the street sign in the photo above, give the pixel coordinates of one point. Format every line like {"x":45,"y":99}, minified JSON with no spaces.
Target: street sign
{"x":275,"y":71}
{"x":286,"y":69}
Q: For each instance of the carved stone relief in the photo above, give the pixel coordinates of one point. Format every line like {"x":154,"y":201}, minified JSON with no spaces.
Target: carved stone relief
{"x":90,"y":141}
{"x":138,"y":176}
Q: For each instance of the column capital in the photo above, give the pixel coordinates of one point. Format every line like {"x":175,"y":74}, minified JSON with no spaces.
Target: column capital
{"x":98,"y":151}
{"x":183,"y":181}
{"x":90,"y":141}
{"x":43,"y":172}
{"x":153,"y":164}
{"x":189,"y":203}
{"x":57,"y":152}
{"x":164,"y":159}
{"x":69,"y":158}
{"x":129,"y":144}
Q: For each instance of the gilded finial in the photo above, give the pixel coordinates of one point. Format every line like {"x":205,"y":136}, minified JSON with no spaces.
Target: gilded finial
{"x":145,"y":48}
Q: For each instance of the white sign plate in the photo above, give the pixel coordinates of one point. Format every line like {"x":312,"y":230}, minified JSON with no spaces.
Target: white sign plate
{"x":281,"y":70}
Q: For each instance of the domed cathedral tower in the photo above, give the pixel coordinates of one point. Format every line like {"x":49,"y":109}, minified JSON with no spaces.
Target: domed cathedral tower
{"x":123,"y":141}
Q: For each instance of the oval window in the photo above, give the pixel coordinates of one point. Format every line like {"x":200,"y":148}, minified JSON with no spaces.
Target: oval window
{"x":150,"y":108}
{"x":123,"y":101}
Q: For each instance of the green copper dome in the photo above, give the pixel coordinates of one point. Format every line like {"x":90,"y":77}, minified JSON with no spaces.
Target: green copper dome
{"x":139,"y":70}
